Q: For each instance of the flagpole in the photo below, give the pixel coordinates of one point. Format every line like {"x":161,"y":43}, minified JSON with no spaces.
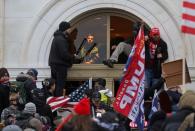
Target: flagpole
{"x":184,"y":65}
{"x":90,"y":83}
{"x":184,"y":29}
{"x":90,"y":87}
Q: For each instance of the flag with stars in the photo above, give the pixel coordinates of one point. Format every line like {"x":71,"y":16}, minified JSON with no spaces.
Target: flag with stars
{"x":155,"y":104}
{"x":79,"y":93}
{"x":59,"y":102}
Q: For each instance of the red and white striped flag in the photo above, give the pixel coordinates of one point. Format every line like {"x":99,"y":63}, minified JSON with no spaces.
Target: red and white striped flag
{"x":69,"y":101}
{"x":57,"y":102}
{"x":188,"y":17}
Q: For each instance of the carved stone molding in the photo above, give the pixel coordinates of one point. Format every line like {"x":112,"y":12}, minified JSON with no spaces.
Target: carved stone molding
{"x":55,"y":11}
{"x":1,"y":31}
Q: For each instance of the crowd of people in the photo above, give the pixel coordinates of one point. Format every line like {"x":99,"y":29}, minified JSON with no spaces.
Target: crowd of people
{"x":23,"y":106}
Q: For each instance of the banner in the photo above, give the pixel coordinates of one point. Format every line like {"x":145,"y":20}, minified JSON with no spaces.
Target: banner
{"x":129,"y":99}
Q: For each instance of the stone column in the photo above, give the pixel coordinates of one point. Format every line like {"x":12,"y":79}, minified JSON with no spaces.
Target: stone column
{"x":1,"y":31}
{"x":110,"y":84}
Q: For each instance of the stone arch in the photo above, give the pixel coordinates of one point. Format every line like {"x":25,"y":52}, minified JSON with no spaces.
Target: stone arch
{"x":37,"y":44}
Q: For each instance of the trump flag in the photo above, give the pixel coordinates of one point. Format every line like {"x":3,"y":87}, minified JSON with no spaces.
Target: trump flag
{"x":129,"y":99}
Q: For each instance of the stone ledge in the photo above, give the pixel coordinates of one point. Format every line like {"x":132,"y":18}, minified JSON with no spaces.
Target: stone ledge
{"x":83,"y":71}
{"x":77,"y":72}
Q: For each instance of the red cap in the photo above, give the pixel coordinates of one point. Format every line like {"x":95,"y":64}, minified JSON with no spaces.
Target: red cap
{"x":154,"y":31}
{"x":83,"y":107}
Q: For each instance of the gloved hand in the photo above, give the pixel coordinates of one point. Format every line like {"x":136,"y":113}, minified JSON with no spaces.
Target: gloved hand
{"x":76,"y":56}
{"x":77,"y":59}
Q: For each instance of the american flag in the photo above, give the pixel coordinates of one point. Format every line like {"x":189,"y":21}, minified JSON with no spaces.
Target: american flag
{"x":188,"y":17}
{"x":155,"y":104}
{"x":79,"y":93}
{"x":58,"y":102}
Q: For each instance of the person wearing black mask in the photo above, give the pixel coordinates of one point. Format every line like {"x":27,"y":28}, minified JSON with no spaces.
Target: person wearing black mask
{"x":62,"y":55}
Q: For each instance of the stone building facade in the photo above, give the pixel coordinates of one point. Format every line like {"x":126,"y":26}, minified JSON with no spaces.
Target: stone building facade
{"x":27,"y":27}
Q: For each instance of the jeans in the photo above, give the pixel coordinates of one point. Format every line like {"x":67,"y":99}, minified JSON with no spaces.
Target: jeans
{"x":148,"y":78}
{"x":122,"y":47}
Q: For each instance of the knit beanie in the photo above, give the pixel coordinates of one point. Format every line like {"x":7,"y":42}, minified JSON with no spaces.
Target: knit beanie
{"x":35,"y":123}
{"x":4,"y":72}
{"x":33,"y":72}
{"x":83,"y":107}
{"x":4,"y":75}
{"x":30,"y":108}
{"x":12,"y":128}
{"x":187,"y":99}
{"x":64,"y":26}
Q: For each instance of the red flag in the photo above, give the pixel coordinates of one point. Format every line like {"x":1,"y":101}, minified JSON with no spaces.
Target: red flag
{"x":188,"y":17}
{"x":131,"y":91}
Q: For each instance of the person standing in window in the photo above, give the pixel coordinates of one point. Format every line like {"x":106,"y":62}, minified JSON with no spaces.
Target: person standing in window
{"x":123,"y":47}
{"x":155,"y":54}
{"x":62,"y":54}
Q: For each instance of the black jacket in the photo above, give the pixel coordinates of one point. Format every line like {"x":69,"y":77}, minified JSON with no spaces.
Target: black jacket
{"x":156,"y":65}
{"x":59,"y":53}
{"x":161,"y":48}
{"x":4,"y":97}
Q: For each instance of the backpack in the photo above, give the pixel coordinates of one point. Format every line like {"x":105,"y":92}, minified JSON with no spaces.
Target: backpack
{"x":17,"y":86}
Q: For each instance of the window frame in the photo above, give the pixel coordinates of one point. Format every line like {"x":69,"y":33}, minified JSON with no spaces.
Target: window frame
{"x":108,"y":13}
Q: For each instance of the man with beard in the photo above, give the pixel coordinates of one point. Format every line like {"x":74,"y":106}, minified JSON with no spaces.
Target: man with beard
{"x":155,"y":54}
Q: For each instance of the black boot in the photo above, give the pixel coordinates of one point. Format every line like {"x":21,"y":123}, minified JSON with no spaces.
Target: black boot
{"x":109,"y":63}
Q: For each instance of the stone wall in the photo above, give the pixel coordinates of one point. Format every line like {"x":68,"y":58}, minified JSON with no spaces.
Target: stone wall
{"x":1,"y":30}
{"x":28,"y":26}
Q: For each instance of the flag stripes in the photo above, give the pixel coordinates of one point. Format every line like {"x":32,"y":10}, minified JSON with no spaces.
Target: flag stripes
{"x":69,"y":101}
{"x":188,"y":16}
{"x":57,"y":102}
